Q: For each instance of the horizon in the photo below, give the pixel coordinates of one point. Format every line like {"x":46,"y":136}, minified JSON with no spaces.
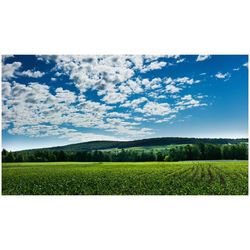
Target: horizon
{"x":59,"y":100}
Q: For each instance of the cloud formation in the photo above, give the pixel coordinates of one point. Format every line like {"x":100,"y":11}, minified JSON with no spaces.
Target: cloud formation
{"x":224,"y":76}
{"x":114,"y":96}
{"x":33,"y":74}
{"x":9,"y":70}
{"x":201,"y":58}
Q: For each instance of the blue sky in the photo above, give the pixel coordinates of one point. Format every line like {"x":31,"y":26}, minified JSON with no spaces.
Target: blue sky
{"x":58,"y":100}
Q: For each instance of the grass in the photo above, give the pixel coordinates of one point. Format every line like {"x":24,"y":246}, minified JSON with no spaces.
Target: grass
{"x":144,"y":178}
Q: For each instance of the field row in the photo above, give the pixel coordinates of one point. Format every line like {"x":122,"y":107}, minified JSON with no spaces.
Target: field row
{"x":146,"y":178}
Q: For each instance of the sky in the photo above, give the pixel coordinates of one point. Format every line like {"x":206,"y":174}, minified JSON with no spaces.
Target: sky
{"x":52,"y":100}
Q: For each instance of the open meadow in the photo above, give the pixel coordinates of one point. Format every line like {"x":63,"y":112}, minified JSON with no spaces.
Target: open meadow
{"x":126,"y":178}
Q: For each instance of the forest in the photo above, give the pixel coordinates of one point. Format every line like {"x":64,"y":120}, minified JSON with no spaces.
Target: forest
{"x":188,"y":152}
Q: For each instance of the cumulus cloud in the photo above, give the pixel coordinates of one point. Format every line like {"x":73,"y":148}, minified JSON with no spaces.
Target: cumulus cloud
{"x":186,"y":80}
{"x":151,"y":84}
{"x":6,"y":90}
{"x":114,"y":97}
{"x":132,"y":86}
{"x":134,"y":103}
{"x":186,"y":97}
{"x":122,"y":101}
{"x":60,"y":132}
{"x":120,"y":115}
{"x":188,"y":102}
{"x":9,"y":70}
{"x":66,"y":96}
{"x":172,"y":89}
{"x":154,"y":108}
{"x":166,"y":119}
{"x":153,"y":66}
{"x":33,"y":105}
{"x":5,"y":57}
{"x":202,"y":58}
{"x":32,"y":74}
{"x":225,"y":76}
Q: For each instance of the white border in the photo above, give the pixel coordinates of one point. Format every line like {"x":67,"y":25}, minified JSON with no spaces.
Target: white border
{"x":124,"y":27}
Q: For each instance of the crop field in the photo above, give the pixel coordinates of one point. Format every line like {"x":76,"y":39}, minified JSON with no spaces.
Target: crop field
{"x":126,"y":178}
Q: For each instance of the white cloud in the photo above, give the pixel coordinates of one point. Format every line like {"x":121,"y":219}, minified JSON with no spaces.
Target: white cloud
{"x":57,"y":74}
{"x":110,"y":76}
{"x":156,"y":95}
{"x":60,"y":132}
{"x":245,"y":64}
{"x":150,"y":58}
{"x":33,"y":104}
{"x":120,"y":115}
{"x":33,"y":74}
{"x":9,"y":70}
{"x":6,"y":90}
{"x":76,"y":136}
{"x":186,"y":80}
{"x":236,"y":69}
{"x":169,"y":80}
{"x":46,"y":58}
{"x":134,"y":103}
{"x":5,"y":57}
{"x":94,"y":72}
{"x":186,"y":97}
{"x":202,"y":58}
{"x":187,"y":102}
{"x":153,"y":66}
{"x":151,"y":84}
{"x":167,"y":119}
{"x":115,"y":81}
{"x":172,"y":89}
{"x":66,"y":96}
{"x":220,"y":75}
{"x":135,"y":86}
{"x":201,"y":96}
{"x":180,"y":81}
{"x":154,"y":108}
{"x":180,"y":60}
{"x":131,"y":87}
{"x":139,"y":119}
{"x":114,"y":97}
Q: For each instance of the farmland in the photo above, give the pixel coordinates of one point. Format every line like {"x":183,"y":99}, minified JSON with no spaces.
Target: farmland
{"x":126,"y":178}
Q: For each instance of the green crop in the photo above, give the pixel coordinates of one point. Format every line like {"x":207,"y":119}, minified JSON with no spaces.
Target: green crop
{"x":126,"y":178}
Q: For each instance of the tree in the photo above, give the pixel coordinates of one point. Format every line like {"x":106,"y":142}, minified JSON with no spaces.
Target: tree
{"x":212,"y":152}
{"x":61,"y":156}
{"x":10,"y":157}
{"x":202,"y":150}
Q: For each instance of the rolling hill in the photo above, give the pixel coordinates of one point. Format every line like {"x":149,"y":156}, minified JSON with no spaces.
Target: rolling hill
{"x":164,"y":141}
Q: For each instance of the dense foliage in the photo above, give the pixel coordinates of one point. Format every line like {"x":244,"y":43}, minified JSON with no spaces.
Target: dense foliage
{"x":130,"y":178}
{"x":199,"y":151}
{"x":208,"y":152}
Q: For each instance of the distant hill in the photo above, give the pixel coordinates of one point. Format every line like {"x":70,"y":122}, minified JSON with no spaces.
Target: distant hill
{"x":164,"y":141}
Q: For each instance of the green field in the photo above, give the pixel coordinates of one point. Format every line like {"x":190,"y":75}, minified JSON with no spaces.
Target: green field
{"x":144,"y":178}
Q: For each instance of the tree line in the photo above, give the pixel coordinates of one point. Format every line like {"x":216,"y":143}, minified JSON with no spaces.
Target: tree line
{"x":199,"y":151}
{"x":208,"y":152}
